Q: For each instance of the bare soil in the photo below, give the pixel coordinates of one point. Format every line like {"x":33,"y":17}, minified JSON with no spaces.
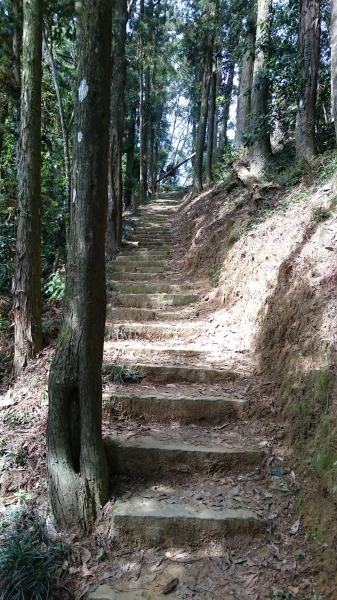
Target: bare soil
{"x":266,"y":275}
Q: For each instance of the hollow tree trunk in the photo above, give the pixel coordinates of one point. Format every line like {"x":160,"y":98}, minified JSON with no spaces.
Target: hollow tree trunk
{"x":246,"y":78}
{"x":260,"y":150}
{"x":76,"y":463}
{"x":115,"y":204}
{"x":27,"y":271}
{"x":309,"y":52}
{"x":201,"y":132}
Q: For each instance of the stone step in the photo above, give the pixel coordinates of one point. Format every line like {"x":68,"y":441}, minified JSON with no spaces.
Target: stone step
{"x":204,"y":410}
{"x":182,"y":373}
{"x":151,"y":235}
{"x":145,"y":277}
{"x":149,"y":288}
{"x":141,"y":314}
{"x":154,"y":300}
{"x":151,"y":229}
{"x":163,"y":330}
{"x":138,"y":351}
{"x":154,"y":218}
{"x":157,"y":460}
{"x":146,"y":253}
{"x":151,"y":246}
{"x":156,"y":523}
{"x":141,"y":267}
{"x":140,"y":258}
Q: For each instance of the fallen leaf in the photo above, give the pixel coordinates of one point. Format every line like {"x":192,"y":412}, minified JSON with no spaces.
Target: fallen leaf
{"x":278,"y":472}
{"x":295,"y":527}
{"x":169,"y":587}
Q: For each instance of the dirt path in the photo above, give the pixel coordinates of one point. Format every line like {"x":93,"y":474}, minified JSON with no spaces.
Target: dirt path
{"x":203,"y":486}
{"x":204,"y":489}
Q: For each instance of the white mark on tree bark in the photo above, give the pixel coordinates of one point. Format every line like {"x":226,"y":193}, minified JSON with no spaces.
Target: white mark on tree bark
{"x":83,"y":90}
{"x":79,"y":136}
{"x":74,"y":195}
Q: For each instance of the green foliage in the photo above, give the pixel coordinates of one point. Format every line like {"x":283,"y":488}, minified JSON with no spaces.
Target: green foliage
{"x":7,"y":242}
{"x":29,"y":559}
{"x":55,"y":287}
{"x":320,"y":213}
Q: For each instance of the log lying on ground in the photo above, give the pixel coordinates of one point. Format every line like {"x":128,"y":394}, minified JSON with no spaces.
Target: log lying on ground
{"x":172,"y":171}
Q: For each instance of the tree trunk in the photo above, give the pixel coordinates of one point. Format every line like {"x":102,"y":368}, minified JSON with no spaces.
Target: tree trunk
{"x":64,"y":130}
{"x":227,"y":103}
{"x":130,"y":155}
{"x":260,"y":150}
{"x":309,"y":50}
{"x":201,"y":132}
{"x":115,"y":204}
{"x":27,"y":272}
{"x":152,"y":175}
{"x":17,"y":42}
{"x":3,"y":117}
{"x":76,"y":463}
{"x":216,"y":116}
{"x":211,"y":119}
{"x":246,"y":79}
{"x":333,"y":35}
{"x":143,"y":125}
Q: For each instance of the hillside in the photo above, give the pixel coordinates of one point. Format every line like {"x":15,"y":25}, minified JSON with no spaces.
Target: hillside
{"x":258,"y":264}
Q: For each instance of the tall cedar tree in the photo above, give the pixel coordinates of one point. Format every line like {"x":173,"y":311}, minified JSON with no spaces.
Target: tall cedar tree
{"x":309,"y":54}
{"x":201,"y":131}
{"x":27,"y":274}
{"x":260,"y":150}
{"x":76,"y":462}
{"x":333,"y":33}
{"x":246,"y":77}
{"x":115,"y":205}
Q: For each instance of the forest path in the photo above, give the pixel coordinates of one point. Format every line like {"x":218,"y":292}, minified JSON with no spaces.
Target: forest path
{"x":194,"y":507}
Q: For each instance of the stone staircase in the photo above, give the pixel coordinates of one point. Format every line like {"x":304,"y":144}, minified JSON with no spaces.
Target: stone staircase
{"x":173,"y":437}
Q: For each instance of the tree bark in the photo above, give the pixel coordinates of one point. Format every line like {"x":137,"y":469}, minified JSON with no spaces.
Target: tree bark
{"x":309,"y":51}
{"x":201,"y":132}
{"x":76,"y":463}
{"x":143,"y":112}
{"x":216,"y":115}
{"x":27,"y":272}
{"x":211,"y":119}
{"x":3,"y":117}
{"x":130,"y":155}
{"x":17,"y":42}
{"x":333,"y":36}
{"x":64,"y":130}
{"x":115,"y":203}
{"x":227,"y":102}
{"x":246,"y":79}
{"x":260,"y":150}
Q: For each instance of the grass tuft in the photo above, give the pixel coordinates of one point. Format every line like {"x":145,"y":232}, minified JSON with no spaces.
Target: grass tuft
{"x":125,"y":374}
{"x":30,"y":560}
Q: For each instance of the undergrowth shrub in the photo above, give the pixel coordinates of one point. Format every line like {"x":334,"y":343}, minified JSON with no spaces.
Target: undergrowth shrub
{"x":30,"y":561}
